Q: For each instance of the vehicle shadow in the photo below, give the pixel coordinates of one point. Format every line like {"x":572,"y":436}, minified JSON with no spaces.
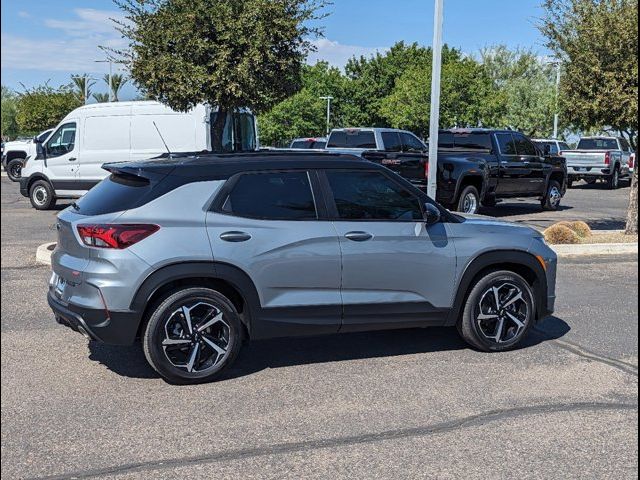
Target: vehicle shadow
{"x":276,"y":353}
{"x":514,"y":208}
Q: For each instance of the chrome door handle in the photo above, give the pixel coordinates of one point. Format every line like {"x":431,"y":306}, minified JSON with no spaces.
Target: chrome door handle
{"x":72,"y":159}
{"x":235,"y":237}
{"x":358,"y":236}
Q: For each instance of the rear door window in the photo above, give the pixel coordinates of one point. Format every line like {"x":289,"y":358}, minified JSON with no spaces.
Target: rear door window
{"x":272,"y":196}
{"x":352,"y":139}
{"x":473,"y":141}
{"x":411,"y":143}
{"x":524,"y":146}
{"x":391,"y":142}
{"x":506,"y":144}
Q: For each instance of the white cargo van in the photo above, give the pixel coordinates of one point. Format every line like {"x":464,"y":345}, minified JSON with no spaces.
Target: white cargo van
{"x":70,"y":162}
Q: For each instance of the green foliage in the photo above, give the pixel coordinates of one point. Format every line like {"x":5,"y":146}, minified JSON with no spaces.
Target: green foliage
{"x":229,"y":53}
{"x":9,"y":108}
{"x":525,"y":90}
{"x":465,"y":97}
{"x":82,"y":84}
{"x":597,"y":42}
{"x":101,"y":97}
{"x":43,"y":107}
{"x":117,"y":82}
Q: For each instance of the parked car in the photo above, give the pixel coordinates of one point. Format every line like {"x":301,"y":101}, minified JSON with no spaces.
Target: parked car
{"x":70,"y":161}
{"x":479,"y":166}
{"x":358,"y":140}
{"x":284,"y":244}
{"x":599,"y":158}
{"x":15,"y":153}
{"x":554,"y":146}
{"x":308,"y":144}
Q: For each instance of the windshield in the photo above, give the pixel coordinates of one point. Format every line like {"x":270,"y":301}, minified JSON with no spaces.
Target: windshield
{"x":239,"y":132}
{"x":43,"y":136}
{"x":598,"y":144}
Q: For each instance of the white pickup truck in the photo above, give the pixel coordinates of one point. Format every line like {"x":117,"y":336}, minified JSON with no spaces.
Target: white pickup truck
{"x":605,"y":158}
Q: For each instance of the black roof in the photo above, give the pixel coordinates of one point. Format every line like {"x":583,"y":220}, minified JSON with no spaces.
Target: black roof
{"x":208,"y":166}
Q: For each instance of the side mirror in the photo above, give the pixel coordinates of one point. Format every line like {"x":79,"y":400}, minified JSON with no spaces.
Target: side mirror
{"x":431,"y":214}
{"x":41,"y":151}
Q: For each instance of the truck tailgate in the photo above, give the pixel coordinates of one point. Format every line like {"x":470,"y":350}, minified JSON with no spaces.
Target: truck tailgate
{"x":577,"y":158}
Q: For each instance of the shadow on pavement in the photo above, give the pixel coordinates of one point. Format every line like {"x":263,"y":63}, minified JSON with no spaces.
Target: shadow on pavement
{"x":286,"y":352}
{"x":513,"y":209}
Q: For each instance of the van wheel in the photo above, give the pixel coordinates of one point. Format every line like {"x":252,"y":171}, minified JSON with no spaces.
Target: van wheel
{"x":14,"y":169}
{"x":193,"y":336}
{"x":42,"y":195}
{"x":498,"y":313}
{"x":469,"y":201}
{"x":551,"y":201}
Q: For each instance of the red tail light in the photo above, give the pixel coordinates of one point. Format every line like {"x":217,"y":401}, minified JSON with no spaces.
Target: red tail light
{"x":607,"y":158}
{"x":632,"y":161}
{"x":426,"y":169}
{"x":114,"y":236}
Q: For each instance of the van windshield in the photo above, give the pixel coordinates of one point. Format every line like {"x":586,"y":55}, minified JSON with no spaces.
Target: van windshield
{"x":239,"y":132}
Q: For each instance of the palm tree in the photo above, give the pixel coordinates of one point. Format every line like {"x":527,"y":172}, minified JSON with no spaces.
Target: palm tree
{"x":117,"y":82}
{"x":101,"y":97}
{"x":83,"y":83}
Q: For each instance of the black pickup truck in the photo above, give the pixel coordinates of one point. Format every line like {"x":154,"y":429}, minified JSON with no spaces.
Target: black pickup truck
{"x":479,"y":167}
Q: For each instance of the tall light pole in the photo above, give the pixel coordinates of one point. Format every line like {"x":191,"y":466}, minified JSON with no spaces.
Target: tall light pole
{"x":328,"y":99}
{"x":556,"y":117}
{"x":434,"y":122}
{"x":110,"y":62}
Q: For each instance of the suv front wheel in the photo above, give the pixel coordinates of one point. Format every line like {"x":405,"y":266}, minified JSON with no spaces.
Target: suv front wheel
{"x":192,"y":336}
{"x":499,"y":312}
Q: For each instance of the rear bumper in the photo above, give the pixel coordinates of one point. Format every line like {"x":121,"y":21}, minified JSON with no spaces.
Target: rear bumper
{"x":597,"y":171}
{"x":113,"y":328}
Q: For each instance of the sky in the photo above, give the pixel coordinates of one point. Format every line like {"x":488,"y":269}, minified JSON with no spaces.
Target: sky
{"x":48,"y":40}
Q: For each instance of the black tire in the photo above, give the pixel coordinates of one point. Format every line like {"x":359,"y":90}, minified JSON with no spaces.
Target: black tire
{"x":570,"y":183}
{"x":41,"y":195}
{"x":591,"y":181}
{"x":166,"y":317}
{"x":469,"y":200}
{"x":553,"y":198}
{"x":14,"y":169}
{"x":613,"y":180}
{"x":475,"y":331}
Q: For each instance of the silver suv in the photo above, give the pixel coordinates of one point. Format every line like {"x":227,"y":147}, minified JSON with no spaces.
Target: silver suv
{"x":194,"y":255}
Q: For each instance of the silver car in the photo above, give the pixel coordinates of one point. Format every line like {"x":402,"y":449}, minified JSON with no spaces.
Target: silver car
{"x":195,"y":255}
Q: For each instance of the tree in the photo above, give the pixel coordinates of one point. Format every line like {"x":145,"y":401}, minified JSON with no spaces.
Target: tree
{"x":83,"y":84}
{"x":228,"y":53}
{"x":632,"y":215}
{"x":101,"y":97}
{"x":525,"y":89}
{"x":597,"y":42}
{"x":9,"y":106}
{"x":117,"y":82}
{"x":466,"y":96}
{"x":43,"y":107}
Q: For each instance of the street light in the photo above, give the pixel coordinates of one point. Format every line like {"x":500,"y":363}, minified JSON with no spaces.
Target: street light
{"x":110,"y":62}
{"x":328,"y":99}
{"x":434,"y":121}
{"x":556,"y":117}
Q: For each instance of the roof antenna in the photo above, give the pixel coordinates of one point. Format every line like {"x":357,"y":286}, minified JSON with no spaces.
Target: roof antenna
{"x":165,"y":143}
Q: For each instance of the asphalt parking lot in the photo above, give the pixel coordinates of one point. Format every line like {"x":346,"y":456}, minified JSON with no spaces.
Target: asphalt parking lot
{"x":400,"y":404}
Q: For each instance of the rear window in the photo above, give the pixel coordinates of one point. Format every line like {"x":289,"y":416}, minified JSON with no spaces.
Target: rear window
{"x":598,"y":144}
{"x":116,"y":193}
{"x":473,"y":141}
{"x":301,"y":144}
{"x":352,"y":139}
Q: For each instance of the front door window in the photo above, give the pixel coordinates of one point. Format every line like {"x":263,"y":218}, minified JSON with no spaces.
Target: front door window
{"x":62,"y":141}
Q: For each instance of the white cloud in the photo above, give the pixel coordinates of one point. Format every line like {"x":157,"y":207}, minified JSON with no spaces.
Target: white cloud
{"x":23,"y":14}
{"x":74,"y":51}
{"x":338,"y":54}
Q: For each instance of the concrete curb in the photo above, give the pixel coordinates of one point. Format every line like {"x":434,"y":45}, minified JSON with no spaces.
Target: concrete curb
{"x":595,"y":249}
{"x":43,"y":253}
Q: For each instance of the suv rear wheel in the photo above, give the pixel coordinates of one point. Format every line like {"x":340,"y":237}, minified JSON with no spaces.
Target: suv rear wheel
{"x":498,"y":313}
{"x":42,"y":196}
{"x":192,"y":336}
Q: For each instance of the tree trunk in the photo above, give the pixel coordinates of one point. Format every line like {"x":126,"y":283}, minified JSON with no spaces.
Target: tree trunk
{"x":632,"y":218}
{"x":217,"y":131}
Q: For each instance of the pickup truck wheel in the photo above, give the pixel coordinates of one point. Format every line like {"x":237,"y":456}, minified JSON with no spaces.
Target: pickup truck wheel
{"x":469,"y":200}
{"x":14,"y":169}
{"x":613,"y":182}
{"x":42,"y":196}
{"x":552,"y":199}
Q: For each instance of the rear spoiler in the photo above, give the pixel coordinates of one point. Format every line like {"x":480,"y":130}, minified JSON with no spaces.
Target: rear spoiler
{"x":149,"y":171}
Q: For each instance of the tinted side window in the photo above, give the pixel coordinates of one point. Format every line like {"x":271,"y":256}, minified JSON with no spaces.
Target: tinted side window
{"x":372,"y":196}
{"x":115,"y":193}
{"x":625,"y":145}
{"x":411,"y":143}
{"x":272,"y":196}
{"x":391,"y":142}
{"x":62,"y":141}
{"x":301,"y":144}
{"x":445,"y":140}
{"x":506,"y":144}
{"x":564,"y":146}
{"x":524,"y":146}
{"x":473,"y":141}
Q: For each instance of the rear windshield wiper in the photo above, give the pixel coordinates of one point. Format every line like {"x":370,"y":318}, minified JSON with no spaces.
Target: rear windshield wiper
{"x":75,"y":206}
